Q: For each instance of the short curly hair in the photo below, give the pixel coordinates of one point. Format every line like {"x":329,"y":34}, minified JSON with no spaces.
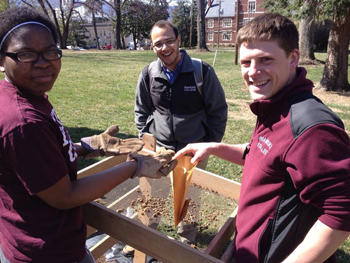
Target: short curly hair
{"x":18,"y":15}
{"x":163,"y":24}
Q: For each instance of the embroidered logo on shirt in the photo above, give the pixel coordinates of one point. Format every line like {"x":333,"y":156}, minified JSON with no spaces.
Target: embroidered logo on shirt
{"x":264,"y":145}
{"x":189,"y":88}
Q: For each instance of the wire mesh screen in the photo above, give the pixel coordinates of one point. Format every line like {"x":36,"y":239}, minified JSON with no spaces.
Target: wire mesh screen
{"x":206,"y":214}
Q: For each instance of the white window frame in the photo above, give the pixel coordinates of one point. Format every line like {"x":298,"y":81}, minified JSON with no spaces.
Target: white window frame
{"x":211,"y":36}
{"x":251,"y":6}
{"x":246,"y":21}
{"x":227,"y":22}
{"x":211,"y":23}
{"x":226,"y":35}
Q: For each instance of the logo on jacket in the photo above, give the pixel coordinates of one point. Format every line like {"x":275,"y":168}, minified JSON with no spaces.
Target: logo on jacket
{"x":189,"y":88}
{"x":264,"y":145}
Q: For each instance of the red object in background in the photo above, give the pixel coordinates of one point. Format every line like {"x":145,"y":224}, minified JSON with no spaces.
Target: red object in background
{"x":108,"y":47}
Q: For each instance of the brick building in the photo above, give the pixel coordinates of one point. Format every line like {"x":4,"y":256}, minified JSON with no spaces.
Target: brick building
{"x":225,"y":22}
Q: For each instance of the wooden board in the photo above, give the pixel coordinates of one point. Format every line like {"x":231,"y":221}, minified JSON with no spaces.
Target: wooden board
{"x":220,"y":240}
{"x":145,"y":239}
{"x":216,"y":183}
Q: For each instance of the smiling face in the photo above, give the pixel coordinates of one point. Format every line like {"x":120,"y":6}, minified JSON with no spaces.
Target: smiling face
{"x":266,"y":69}
{"x":168,"y":53}
{"x":35,"y":77}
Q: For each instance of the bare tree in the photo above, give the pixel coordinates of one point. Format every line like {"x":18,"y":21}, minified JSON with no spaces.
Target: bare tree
{"x":94,"y":7}
{"x":116,"y":18}
{"x":65,"y":11}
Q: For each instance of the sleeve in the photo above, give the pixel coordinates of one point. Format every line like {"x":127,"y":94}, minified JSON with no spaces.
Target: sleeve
{"x":34,"y":153}
{"x":143,"y":103}
{"x":215,"y":104}
{"x":319,"y":165}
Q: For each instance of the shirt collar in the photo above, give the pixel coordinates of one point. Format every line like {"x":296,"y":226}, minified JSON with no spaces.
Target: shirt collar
{"x":171,"y":75}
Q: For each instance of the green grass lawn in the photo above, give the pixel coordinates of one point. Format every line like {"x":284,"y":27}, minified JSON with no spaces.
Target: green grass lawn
{"x":96,"y":89}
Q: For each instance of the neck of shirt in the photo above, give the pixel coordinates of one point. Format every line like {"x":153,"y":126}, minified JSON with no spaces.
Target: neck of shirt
{"x":171,"y":75}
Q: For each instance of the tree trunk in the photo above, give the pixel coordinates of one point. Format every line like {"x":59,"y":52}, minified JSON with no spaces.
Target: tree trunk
{"x":201,"y":44}
{"x":95,"y":29}
{"x":66,"y":28}
{"x":335,"y":72}
{"x":65,"y":20}
{"x":306,"y":34}
{"x":55,"y":20}
{"x":118,"y":24}
{"x":134,"y":38}
{"x":122,"y":40}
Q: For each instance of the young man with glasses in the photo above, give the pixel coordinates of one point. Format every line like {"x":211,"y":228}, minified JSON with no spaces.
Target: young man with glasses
{"x":168,"y":102}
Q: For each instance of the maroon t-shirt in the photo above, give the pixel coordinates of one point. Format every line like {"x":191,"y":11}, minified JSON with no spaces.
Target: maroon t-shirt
{"x":35,"y":153}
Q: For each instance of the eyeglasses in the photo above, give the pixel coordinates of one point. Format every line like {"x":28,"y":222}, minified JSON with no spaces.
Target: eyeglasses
{"x":31,"y":56}
{"x":169,"y":43}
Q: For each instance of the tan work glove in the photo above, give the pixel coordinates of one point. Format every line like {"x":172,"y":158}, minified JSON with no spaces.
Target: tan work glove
{"x":106,"y":144}
{"x":153,"y":166}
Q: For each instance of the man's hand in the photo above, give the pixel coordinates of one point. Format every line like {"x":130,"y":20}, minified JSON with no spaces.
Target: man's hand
{"x":202,"y":150}
{"x":199,"y":152}
{"x":106,"y":144}
{"x":153,"y":166}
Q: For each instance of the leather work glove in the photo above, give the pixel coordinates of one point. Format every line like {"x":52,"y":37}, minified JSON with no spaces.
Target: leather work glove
{"x":106,"y":144}
{"x":153,"y":166}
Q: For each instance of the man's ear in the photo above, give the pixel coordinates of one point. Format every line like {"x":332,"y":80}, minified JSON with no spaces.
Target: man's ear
{"x":179,"y":39}
{"x":294,"y":56}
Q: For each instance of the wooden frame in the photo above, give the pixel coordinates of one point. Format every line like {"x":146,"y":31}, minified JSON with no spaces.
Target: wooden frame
{"x":148,"y":241}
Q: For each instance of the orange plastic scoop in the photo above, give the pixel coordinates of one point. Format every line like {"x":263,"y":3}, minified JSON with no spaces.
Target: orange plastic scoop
{"x":181,"y":179}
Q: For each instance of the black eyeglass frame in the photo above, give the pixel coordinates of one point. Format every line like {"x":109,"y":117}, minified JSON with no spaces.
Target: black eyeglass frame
{"x":169,"y":43}
{"x":14,"y":55}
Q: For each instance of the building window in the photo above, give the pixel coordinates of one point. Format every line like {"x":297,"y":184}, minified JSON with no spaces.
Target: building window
{"x":227,"y":22}
{"x":246,"y":20}
{"x":252,"y":6}
{"x":211,"y":23}
{"x":210,"y":36}
{"x":226,"y":36}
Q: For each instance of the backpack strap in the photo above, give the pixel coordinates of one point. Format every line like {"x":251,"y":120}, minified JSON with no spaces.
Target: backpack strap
{"x":150,"y":67}
{"x":198,"y":74}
